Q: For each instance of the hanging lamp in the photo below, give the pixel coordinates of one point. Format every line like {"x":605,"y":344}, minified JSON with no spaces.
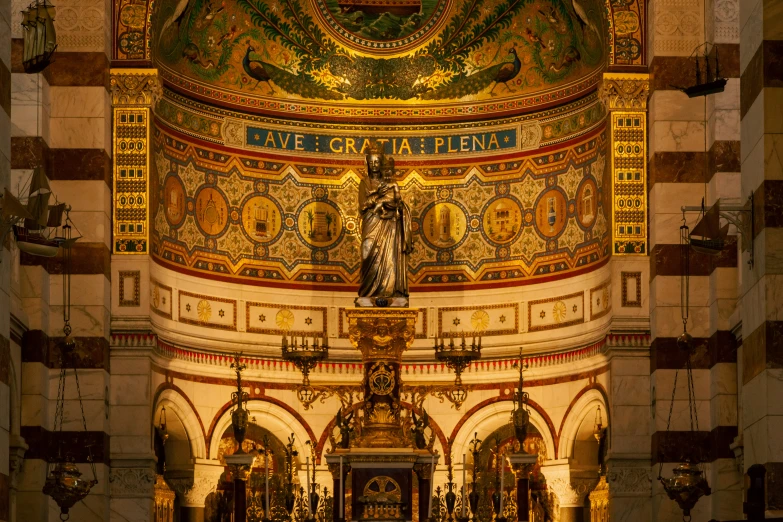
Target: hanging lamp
{"x":64,"y":482}
{"x":687,"y":483}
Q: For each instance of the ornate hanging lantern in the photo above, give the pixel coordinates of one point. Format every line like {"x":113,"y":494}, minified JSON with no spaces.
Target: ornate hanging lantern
{"x":40,"y":38}
{"x":64,"y":482}
{"x":687,"y":483}
{"x":457,"y":358}
{"x":239,"y":417}
{"x":474,"y":496}
{"x":163,"y":432}
{"x":520,"y":416}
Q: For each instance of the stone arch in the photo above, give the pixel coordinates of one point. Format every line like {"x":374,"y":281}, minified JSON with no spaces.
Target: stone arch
{"x":580,"y":413}
{"x":492,"y":416}
{"x":276,"y":419}
{"x":179,"y":409}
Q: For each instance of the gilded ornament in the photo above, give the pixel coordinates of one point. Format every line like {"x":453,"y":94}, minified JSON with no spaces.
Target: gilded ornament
{"x":381,"y":379}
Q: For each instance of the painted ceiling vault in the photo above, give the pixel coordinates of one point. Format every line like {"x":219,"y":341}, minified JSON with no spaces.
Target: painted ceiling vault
{"x":382,"y":59}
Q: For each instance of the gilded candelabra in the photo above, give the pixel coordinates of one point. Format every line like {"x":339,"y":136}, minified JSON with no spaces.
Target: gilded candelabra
{"x":305,"y":355}
{"x":458,"y":358}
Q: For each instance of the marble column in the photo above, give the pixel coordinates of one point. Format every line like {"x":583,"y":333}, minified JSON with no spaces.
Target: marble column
{"x":571,"y":486}
{"x":193,"y":487}
{"x":761,"y":106}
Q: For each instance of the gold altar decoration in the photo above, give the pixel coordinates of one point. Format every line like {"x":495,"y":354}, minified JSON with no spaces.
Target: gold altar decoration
{"x":382,"y":500}
{"x":381,"y":335}
{"x":164,"y":501}
{"x":133,"y":93}
{"x":625,"y":96}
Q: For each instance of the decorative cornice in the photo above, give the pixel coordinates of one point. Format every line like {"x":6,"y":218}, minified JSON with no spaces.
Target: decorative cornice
{"x":215,"y":359}
{"x":135,"y":87}
{"x":133,"y":340}
{"x":625,"y":91}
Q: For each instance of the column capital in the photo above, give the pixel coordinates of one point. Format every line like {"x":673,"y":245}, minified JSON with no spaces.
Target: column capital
{"x":571,"y":485}
{"x":194,"y":485}
{"x":625,"y":91}
{"x":16,"y":450}
{"x":134,"y":87}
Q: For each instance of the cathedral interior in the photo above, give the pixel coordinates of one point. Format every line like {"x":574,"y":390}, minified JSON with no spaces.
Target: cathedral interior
{"x":391,"y":260}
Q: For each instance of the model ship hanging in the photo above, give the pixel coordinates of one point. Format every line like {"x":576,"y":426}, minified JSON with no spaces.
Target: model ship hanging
{"x":708,"y":83}
{"x":40,"y":38}
{"x":34,"y":222}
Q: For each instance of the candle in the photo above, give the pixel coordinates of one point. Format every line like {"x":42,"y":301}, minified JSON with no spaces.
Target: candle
{"x":432,"y":480}
{"x":266,"y":481}
{"x":464,"y":482}
{"x":307,"y":483}
{"x":500,"y":514}
{"x":342,"y":488}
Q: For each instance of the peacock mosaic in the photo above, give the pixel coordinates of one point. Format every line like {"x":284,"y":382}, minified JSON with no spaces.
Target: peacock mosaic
{"x":383,"y":59}
{"x":533,"y":216}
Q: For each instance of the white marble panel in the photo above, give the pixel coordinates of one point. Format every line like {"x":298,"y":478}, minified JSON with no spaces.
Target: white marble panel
{"x":35,"y":379}
{"x":666,"y":321}
{"x":752,"y":127}
{"x":751,"y":31}
{"x":130,"y":390}
{"x":94,"y":227}
{"x":87,"y":196}
{"x":681,"y":419}
{"x":724,"y":125}
{"x":130,"y":366}
{"x":674,"y":105}
{"x":666,"y":291}
{"x":86,"y":320}
{"x":92,"y":382}
{"x":94,"y":413}
{"x":723,"y":411}
{"x":665,"y":227}
{"x":722,"y":314}
{"x":726,"y":21}
{"x":78,"y":133}
{"x":5,"y":407}
{"x":773,"y":20}
{"x":728,"y":187}
{"x":78,"y":102}
{"x":132,"y":443}
{"x":622,"y":366}
{"x":34,"y":410}
{"x":630,"y":390}
{"x":663,"y":381}
{"x":669,"y":198}
{"x":94,"y":289}
{"x":5,"y":36}
{"x":631,"y":421}
{"x":131,"y":510}
{"x":128,"y":424}
{"x":673,"y":136}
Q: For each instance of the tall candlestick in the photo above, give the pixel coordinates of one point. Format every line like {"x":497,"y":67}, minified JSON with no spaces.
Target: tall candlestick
{"x":500,"y":513}
{"x":266,"y":483}
{"x":464,"y":482}
{"x":307,"y":483}
{"x":342,"y":489}
{"x":432,"y":481}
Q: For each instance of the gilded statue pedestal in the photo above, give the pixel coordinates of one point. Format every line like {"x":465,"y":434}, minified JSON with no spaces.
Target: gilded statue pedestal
{"x":382,"y":454}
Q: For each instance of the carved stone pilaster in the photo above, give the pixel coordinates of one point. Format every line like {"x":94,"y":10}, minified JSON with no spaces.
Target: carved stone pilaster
{"x":571,"y":486}
{"x":16,"y":450}
{"x":132,"y":482}
{"x":629,"y":478}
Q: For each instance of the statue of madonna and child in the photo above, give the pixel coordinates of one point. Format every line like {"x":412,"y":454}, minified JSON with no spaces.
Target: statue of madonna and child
{"x":386,"y":235}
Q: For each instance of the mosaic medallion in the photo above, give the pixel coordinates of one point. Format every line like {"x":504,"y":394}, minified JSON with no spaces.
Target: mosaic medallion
{"x":551,"y":212}
{"x":211,"y":211}
{"x":320,"y":224}
{"x":444,"y":225}
{"x":261,"y":219}
{"x":174,"y":201}
{"x":587,"y":202}
{"x":382,"y":25}
{"x":502,"y":220}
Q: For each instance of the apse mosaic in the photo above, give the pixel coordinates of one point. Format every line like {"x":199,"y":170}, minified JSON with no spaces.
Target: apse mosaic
{"x":373,"y":57}
{"x":512,"y":221}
